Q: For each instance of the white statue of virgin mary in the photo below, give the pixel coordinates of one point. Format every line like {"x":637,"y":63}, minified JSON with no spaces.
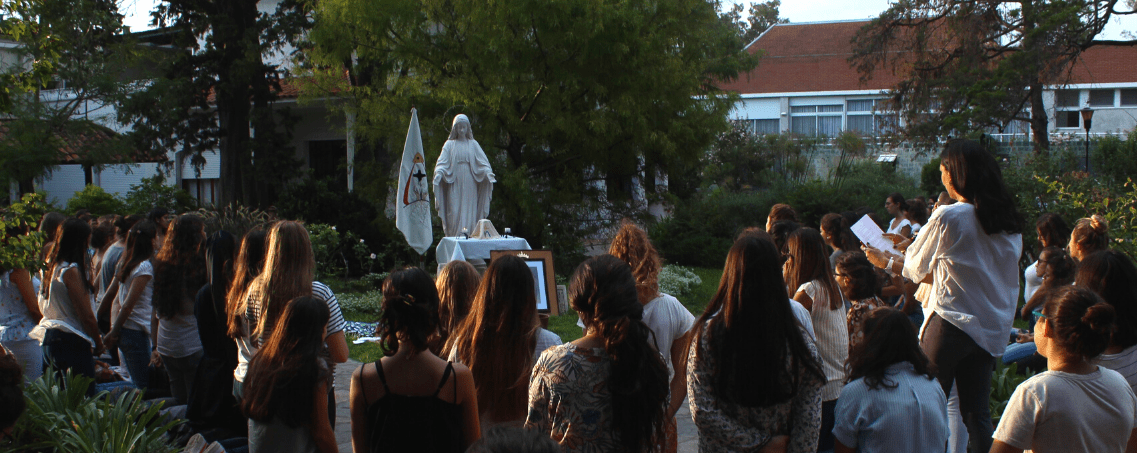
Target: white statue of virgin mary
{"x":463,"y":180}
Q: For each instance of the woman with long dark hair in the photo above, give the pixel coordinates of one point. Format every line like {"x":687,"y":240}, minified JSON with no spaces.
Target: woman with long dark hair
{"x":212,"y":406}
{"x":68,"y":329}
{"x":811,"y":283}
{"x":969,"y":252}
{"x":286,"y":395}
{"x":457,"y":285}
{"x":1052,"y":232}
{"x":1075,"y":406}
{"x":411,"y":400}
{"x":607,"y":391}
{"x":128,"y":298}
{"x":179,"y":273}
{"x":835,"y":229}
{"x":892,"y":401}
{"x":753,"y":378}
{"x":287,"y":273}
{"x":499,"y":340}
{"x":897,"y":206}
{"x":1112,"y":275}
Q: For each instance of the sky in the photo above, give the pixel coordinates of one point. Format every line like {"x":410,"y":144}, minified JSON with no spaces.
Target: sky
{"x":138,"y":13}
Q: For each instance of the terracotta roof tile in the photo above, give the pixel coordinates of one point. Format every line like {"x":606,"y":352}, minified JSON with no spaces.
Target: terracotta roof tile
{"x":74,"y":146}
{"x":813,"y":57}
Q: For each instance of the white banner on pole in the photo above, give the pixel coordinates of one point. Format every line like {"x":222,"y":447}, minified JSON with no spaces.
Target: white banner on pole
{"x":412,"y":207}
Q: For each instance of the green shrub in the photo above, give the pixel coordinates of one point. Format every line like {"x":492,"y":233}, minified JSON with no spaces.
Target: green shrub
{"x":1116,"y":159}
{"x":96,"y":200}
{"x":930,"y":183}
{"x":677,"y":280}
{"x":63,"y":418}
{"x":1004,"y":381}
{"x":338,"y":253}
{"x":701,"y":230}
{"x":234,"y":218}
{"x":153,"y":192}
{"x":23,"y":251}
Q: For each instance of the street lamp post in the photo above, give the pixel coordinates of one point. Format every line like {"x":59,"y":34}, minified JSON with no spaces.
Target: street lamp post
{"x":1087,"y":119}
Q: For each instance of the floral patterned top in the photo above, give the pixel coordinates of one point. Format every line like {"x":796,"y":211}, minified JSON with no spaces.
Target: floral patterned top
{"x":727,"y":427}
{"x":856,"y":318}
{"x":569,"y":399}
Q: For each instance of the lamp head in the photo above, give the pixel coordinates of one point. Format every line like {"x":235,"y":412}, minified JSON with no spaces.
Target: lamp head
{"x":1087,"y":117}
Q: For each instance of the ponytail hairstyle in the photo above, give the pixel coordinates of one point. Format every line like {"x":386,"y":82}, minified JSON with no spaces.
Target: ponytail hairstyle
{"x":457,"y":284}
{"x":603,"y":291}
{"x":1090,"y":234}
{"x":139,"y":248}
{"x":1112,"y":275}
{"x":898,"y":199}
{"x":410,"y":310}
{"x":807,"y":261}
{"x":179,"y":267}
{"x":835,"y":230}
{"x":250,"y":262}
{"x":890,"y":338}
{"x":71,"y":240}
{"x":917,"y":211}
{"x":1081,"y":322}
{"x":284,"y":373}
{"x":288,"y":272}
{"x":750,"y":327}
{"x":632,"y":245}
{"x":859,"y":274}
{"x":1053,"y":231}
{"x":497,"y":338}
{"x":978,"y":179}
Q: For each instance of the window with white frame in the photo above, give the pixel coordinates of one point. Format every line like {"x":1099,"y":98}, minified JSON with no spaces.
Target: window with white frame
{"x":760,"y":126}
{"x":1066,"y":105}
{"x":1101,"y":98}
{"x":869,"y":117}
{"x":1129,"y":97}
{"x":816,"y":120}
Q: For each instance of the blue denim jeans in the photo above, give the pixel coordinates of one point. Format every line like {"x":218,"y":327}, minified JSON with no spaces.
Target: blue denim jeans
{"x":134,"y":346}
{"x":67,"y":351}
{"x":962,"y":362}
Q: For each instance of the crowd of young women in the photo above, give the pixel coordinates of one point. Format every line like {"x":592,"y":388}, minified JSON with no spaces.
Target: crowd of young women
{"x":802,"y":348}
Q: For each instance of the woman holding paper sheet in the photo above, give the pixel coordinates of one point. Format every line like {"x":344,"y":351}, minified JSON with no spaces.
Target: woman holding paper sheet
{"x":968,"y":251}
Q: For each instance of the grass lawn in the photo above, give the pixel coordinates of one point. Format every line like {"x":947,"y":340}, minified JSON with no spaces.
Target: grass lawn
{"x":695,"y":301}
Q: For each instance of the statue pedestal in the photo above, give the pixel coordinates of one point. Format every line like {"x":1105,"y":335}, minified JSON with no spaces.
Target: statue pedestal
{"x":474,"y":250}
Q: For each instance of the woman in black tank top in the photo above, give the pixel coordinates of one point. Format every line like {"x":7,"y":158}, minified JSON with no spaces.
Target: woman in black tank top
{"x":412,"y":400}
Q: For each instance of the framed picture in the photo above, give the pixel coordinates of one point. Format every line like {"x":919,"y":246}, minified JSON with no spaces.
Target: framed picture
{"x":540,"y":264}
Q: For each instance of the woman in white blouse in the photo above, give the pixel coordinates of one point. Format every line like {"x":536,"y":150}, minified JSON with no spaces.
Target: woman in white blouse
{"x":969,"y":252}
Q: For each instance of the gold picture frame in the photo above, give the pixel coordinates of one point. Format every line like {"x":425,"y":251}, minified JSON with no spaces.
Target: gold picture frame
{"x":544,"y":284}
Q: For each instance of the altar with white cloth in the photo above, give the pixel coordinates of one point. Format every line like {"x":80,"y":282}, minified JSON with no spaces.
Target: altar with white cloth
{"x":460,"y":248}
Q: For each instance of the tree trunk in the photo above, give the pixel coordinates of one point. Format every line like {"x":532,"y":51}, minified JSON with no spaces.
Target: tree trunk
{"x":1038,"y":120}
{"x":232,"y":97}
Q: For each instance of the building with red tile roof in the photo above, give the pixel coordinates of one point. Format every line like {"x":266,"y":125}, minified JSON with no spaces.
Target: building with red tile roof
{"x":804,"y":83}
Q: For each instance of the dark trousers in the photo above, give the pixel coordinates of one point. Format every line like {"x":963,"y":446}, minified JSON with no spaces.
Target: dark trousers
{"x":65,"y":351}
{"x":825,"y":440}
{"x":961,"y":361}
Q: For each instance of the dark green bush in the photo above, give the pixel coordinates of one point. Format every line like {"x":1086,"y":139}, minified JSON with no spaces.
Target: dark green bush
{"x":702,"y":229}
{"x":95,"y":200}
{"x":153,"y":192}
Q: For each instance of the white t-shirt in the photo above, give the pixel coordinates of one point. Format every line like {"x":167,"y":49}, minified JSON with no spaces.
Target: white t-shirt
{"x":975,"y":284}
{"x":832,"y":337}
{"x":1055,"y":411}
{"x":668,"y":319}
{"x":899,"y":227}
{"x":139,"y":318}
{"x":1033,"y":281}
{"x":1124,"y":362}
